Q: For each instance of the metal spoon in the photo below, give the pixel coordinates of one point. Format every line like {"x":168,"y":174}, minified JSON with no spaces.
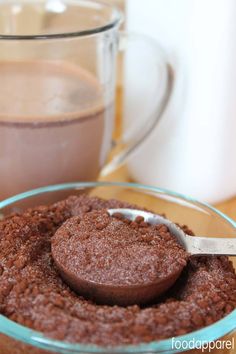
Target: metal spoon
{"x":124,"y":295}
{"x":198,"y":246}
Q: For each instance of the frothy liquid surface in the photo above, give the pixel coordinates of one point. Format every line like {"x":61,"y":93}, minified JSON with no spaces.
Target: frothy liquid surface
{"x":40,"y":91}
{"x":54,"y":127}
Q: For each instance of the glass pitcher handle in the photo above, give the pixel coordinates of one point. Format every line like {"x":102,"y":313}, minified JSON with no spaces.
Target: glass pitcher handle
{"x":144,"y":64}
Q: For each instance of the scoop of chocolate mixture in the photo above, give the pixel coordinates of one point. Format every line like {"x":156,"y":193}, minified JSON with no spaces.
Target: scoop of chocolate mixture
{"x":109,"y":259}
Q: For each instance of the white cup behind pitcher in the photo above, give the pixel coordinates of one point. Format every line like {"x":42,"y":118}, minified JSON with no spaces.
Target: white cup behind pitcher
{"x":192,"y":149}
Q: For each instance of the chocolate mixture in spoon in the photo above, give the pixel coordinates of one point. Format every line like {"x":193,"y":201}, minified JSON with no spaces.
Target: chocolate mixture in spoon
{"x":114,"y":261}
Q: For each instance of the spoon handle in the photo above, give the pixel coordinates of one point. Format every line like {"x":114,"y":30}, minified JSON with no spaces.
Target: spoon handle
{"x":211,"y":246}
{"x":194,"y":245}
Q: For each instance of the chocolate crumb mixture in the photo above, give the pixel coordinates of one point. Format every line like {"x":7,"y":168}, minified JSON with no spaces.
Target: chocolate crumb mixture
{"x":104,"y":249}
{"x":33,"y":294}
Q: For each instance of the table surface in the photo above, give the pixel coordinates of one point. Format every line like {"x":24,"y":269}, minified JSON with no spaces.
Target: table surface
{"x":228,"y":207}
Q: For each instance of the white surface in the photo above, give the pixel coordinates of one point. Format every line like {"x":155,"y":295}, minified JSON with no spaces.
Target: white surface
{"x":193,"y":148}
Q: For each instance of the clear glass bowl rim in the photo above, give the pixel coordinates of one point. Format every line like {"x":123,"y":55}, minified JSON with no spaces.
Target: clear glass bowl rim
{"x":37,"y":339}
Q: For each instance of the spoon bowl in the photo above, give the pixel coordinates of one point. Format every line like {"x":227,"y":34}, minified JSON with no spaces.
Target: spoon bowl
{"x":121,"y":295}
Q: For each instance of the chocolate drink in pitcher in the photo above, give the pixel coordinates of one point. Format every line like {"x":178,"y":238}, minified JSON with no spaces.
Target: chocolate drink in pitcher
{"x":54,"y":125}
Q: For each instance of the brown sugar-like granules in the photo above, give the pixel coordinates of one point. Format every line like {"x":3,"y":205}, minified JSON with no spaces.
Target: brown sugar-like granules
{"x":32,"y":292}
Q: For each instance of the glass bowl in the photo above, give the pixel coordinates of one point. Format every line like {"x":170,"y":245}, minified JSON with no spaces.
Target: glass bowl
{"x":201,"y":218}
